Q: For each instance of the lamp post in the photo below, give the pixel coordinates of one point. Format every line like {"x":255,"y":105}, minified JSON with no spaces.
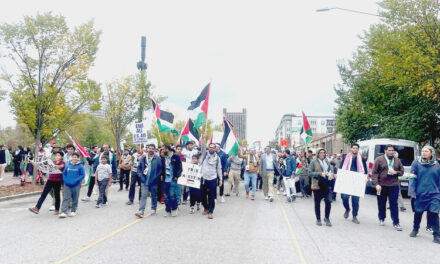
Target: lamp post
{"x":347,"y":10}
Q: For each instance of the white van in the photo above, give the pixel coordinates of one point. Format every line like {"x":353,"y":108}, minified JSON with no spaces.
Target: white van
{"x":373,"y":148}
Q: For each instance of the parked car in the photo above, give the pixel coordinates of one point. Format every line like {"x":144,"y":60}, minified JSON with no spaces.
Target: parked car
{"x":373,"y":148}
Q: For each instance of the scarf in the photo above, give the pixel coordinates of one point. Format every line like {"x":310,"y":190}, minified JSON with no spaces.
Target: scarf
{"x":254,"y":160}
{"x":324,"y":165}
{"x":433,"y":159}
{"x":349,"y":159}
{"x":390,"y":163}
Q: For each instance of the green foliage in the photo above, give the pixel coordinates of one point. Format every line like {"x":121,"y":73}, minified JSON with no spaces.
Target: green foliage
{"x":51,"y":86}
{"x":13,"y":137}
{"x":391,"y":87}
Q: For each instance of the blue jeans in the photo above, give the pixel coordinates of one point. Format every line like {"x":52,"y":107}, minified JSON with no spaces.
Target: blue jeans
{"x":70,"y":193}
{"x":354,"y":203}
{"x":171,"y":195}
{"x":250,"y":177}
{"x":134,"y":179}
{"x":145,"y":190}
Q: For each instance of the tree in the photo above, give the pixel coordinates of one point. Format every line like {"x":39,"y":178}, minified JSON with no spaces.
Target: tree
{"x":390,"y":88}
{"x":120,"y":108}
{"x":51,"y":85}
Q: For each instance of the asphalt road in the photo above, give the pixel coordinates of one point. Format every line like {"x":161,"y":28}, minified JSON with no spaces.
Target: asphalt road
{"x":242,"y":231}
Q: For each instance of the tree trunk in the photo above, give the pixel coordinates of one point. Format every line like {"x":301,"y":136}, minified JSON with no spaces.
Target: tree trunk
{"x":37,"y":150}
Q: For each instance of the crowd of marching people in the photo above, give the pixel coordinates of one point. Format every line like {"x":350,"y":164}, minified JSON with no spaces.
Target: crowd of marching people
{"x":154,"y":172}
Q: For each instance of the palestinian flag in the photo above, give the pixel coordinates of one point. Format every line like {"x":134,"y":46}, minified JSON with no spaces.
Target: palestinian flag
{"x":229,"y":143}
{"x":164,"y":119}
{"x":78,"y":147}
{"x":200,"y":105}
{"x":306,"y":131}
{"x":189,"y":133}
{"x":299,"y":169}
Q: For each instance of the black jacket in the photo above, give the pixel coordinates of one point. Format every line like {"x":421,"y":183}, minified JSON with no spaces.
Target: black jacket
{"x":176,"y":163}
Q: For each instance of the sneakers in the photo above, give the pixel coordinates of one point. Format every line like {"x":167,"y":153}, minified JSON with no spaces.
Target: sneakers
{"x":62,"y":215}
{"x":355,"y":220}
{"x":318,"y":223}
{"x":85,"y":199}
{"x":252,"y":197}
{"x":56,"y":212}
{"x":184,"y":202}
{"x":167,"y":214}
{"x":236,"y":194}
{"x":129,"y":203}
{"x":327,"y":222}
{"x":210,"y":216}
{"x":119,"y":190}
{"x":397,"y":227}
{"x":278,"y":192}
{"x":34,"y":210}
{"x":270,"y":199}
{"x":347,"y":212}
{"x":198,"y":206}
{"x":227,"y":195}
{"x":139,"y":214}
{"x":72,"y":214}
{"x":429,"y":229}
{"x":402,"y":209}
{"x":153,"y":212}
{"x":192,"y":210}
{"x":174,"y":213}
{"x":414,"y":233}
{"x":205,"y":212}
{"x":52,"y":208}
{"x":436,"y":240}
{"x":266,"y":198}
{"x":222,"y":199}
{"x":288,"y":200}
{"x":381,"y":223}
{"x":98,"y":205}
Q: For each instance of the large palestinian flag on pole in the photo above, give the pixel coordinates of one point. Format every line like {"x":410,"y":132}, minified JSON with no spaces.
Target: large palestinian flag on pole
{"x":200,"y":107}
{"x":306,"y":131}
{"x":189,"y":133}
{"x":164,"y":119}
{"x":229,"y":143}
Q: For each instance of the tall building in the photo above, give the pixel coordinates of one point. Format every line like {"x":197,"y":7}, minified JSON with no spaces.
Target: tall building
{"x":239,"y":121}
{"x":290,"y":127}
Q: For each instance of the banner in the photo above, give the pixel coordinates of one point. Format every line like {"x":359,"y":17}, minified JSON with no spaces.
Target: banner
{"x":191,"y":175}
{"x":47,"y":166}
{"x":351,"y":183}
{"x":140,"y":136}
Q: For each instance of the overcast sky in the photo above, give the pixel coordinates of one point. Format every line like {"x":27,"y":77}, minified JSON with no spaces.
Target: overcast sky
{"x":271,"y":57}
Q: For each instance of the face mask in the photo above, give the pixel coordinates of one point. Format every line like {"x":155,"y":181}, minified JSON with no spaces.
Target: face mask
{"x":211,"y":152}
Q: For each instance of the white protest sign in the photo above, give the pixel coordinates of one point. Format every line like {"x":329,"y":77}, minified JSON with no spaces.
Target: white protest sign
{"x":140,"y":135}
{"x":47,"y":166}
{"x":351,"y":183}
{"x":191,"y":175}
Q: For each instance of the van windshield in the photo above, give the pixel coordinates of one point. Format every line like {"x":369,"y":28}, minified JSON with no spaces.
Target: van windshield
{"x":406,"y":154}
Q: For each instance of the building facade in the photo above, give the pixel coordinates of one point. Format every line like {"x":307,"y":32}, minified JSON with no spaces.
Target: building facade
{"x":290,"y":128}
{"x":239,"y":121}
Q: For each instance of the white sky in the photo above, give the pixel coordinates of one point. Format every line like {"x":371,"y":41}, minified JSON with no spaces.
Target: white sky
{"x":271,"y":57}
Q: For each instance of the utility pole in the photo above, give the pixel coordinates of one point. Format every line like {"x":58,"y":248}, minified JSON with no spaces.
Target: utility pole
{"x":142,"y":85}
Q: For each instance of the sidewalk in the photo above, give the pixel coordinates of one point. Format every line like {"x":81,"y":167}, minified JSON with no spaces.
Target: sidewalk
{"x":10,"y":186}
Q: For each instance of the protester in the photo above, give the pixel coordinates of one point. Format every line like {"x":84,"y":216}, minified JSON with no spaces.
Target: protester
{"x":111,"y":159}
{"x":385,"y":176}
{"x":125,"y":163}
{"x":352,"y":162}
{"x":195,"y":194}
{"x":268,"y":168}
{"x":425,"y":189}
{"x":150,"y":168}
{"x":252,"y":167}
{"x":135,"y":177}
{"x":94,"y":154}
{"x":234,"y":172}
{"x":224,"y":160}
{"x":68,"y":156}
{"x":279,"y":178}
{"x":73,"y":175}
{"x":18,"y":157}
{"x":304,"y":179}
{"x":53,"y":184}
{"x":289,"y":176}
{"x":188,"y":152}
{"x":103,"y":178}
{"x":173,"y":170}
{"x":5,"y":159}
{"x":211,"y":173}
{"x":320,"y":171}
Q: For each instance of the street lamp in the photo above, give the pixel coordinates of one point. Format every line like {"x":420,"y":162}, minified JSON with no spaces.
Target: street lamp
{"x":345,"y":9}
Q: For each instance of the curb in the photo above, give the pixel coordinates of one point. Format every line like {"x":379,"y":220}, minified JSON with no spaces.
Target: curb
{"x":17,"y":196}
